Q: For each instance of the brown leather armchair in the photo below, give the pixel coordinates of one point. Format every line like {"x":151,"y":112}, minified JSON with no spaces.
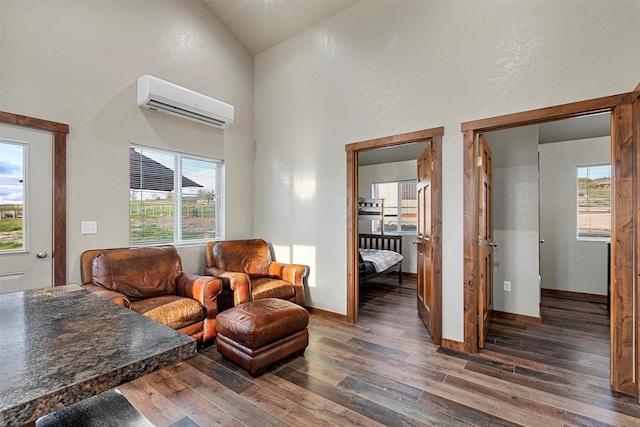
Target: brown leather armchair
{"x":150,"y":281}
{"x":249,"y":271}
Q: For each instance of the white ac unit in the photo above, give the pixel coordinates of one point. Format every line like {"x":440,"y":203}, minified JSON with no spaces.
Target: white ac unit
{"x":167,"y":97}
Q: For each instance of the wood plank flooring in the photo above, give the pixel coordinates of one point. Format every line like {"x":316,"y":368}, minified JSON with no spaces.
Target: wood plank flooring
{"x":384,"y":370}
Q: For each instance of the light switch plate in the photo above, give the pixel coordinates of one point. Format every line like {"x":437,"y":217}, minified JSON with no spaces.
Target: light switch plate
{"x":89,"y":227}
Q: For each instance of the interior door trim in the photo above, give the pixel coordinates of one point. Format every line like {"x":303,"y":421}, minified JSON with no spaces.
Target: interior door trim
{"x":60,"y":132}
{"x":433,"y":135}
{"x":625,"y":146}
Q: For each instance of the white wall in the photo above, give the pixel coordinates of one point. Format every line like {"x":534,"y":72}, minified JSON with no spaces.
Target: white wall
{"x":569,"y":264}
{"x":388,"y":172}
{"x":515,"y":220}
{"x":383,"y":68}
{"x":77,"y":62}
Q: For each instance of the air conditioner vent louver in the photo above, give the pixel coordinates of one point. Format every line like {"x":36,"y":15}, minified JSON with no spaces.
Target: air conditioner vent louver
{"x":181,"y":111}
{"x":160,"y":95}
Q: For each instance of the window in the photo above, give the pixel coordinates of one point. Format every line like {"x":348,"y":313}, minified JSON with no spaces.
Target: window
{"x":400,"y":206}
{"x":594,"y":202}
{"x":12,"y":192}
{"x":174,"y":198}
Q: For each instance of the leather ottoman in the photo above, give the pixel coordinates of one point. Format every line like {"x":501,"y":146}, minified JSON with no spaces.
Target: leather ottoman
{"x":259,"y":333}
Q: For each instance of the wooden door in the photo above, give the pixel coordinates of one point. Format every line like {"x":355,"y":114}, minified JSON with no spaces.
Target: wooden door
{"x":485,"y":241}
{"x":426,"y":299}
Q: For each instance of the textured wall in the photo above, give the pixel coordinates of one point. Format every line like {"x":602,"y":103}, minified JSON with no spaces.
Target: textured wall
{"x":77,"y":62}
{"x":383,"y":68}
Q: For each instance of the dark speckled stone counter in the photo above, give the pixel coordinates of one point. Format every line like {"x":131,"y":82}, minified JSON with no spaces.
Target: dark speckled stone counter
{"x":61,"y":345}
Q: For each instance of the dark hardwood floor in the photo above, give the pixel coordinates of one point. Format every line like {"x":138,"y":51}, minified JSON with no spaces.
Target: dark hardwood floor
{"x":384,"y":370}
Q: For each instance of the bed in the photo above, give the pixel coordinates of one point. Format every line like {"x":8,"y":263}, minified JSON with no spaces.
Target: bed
{"x":379,"y":254}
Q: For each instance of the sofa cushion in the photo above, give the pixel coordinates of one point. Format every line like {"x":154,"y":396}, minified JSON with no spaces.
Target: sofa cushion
{"x":246,"y":256}
{"x":171,"y":310}
{"x":138,"y":272}
{"x":271,"y":288}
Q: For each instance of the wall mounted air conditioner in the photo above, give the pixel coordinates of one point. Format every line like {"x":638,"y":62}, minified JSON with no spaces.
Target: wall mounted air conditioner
{"x":167,"y":97}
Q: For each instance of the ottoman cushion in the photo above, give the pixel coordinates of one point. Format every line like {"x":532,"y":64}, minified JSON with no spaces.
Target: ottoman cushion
{"x":261,"y":322}
{"x":259,"y":333}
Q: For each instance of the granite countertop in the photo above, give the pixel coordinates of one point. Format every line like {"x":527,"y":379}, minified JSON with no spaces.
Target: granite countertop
{"x":63,"y":344}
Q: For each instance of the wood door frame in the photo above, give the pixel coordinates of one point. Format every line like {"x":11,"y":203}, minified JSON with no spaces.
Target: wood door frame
{"x":625,"y":162}
{"x":434,"y":136}
{"x":59,"y":132}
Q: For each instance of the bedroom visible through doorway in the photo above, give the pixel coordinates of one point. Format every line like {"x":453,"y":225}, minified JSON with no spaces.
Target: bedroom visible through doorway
{"x":430,"y":137}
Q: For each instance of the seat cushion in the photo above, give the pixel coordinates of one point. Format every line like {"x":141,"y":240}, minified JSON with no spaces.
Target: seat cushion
{"x":170,"y":310}
{"x":265,"y":287}
{"x":261,"y":322}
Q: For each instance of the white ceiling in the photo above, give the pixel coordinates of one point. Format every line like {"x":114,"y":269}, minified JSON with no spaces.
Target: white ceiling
{"x":574,"y":129}
{"x":262,"y":24}
{"x":398,"y":153}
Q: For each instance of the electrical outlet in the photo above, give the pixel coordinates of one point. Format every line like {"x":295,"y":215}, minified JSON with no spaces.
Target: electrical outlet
{"x":507,"y":286}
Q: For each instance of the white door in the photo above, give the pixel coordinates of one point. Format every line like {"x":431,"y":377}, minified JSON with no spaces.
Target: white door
{"x":26,"y":208}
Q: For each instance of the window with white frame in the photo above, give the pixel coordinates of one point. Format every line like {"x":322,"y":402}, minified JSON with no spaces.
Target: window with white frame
{"x":173,"y":197}
{"x":594,"y":202}
{"x":400,"y":206}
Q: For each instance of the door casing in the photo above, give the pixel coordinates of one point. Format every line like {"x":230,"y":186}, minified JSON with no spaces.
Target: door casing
{"x":60,"y":132}
{"x":625,"y":160}
{"x":434,"y":136}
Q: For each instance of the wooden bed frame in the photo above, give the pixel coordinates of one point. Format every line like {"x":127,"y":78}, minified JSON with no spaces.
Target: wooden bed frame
{"x":380,"y":241}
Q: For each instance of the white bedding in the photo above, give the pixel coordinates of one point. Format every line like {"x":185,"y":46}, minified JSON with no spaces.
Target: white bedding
{"x":381,"y":259}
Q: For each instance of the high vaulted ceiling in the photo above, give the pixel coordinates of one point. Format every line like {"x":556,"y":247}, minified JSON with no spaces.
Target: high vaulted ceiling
{"x":262,"y":24}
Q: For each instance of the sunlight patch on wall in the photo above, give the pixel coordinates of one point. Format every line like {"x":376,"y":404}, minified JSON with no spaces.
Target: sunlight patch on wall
{"x":304,"y":187}
{"x":283,"y":253}
{"x":306,"y":255}
{"x":298,"y":254}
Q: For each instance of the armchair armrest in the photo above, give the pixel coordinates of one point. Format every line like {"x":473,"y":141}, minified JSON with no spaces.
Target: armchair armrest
{"x":294,"y":273}
{"x":112,"y":296}
{"x":204,"y":289}
{"x":238,"y":282}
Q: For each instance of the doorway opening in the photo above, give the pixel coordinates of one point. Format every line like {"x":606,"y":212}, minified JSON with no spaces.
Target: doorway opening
{"x":550,"y":231}
{"x":624,"y":151}
{"x":432,"y":137}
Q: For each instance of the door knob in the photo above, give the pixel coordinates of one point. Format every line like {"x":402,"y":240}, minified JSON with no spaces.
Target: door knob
{"x":426,"y":239}
{"x":493,"y":245}
{"x":42,"y":254}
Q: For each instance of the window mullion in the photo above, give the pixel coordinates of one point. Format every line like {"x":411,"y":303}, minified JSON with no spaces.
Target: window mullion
{"x":177,"y":198}
{"x":399,"y":206}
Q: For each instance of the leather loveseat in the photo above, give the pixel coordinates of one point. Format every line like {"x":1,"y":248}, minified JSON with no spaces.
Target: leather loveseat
{"x":249,"y":272}
{"x":150,"y":281}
